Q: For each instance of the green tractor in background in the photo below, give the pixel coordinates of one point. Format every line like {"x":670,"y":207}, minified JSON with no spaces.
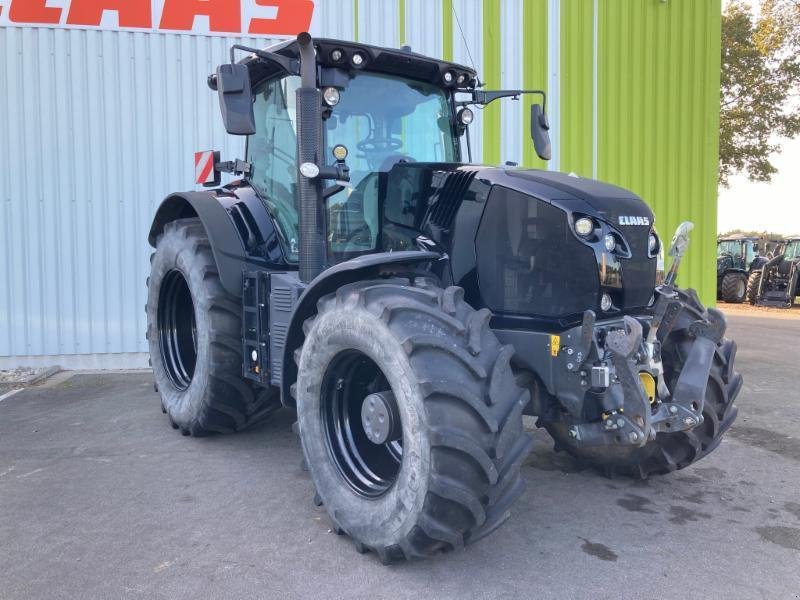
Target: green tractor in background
{"x":774,"y":282}
{"x":737,"y":257}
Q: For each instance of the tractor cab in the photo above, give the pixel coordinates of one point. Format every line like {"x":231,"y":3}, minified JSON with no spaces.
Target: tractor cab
{"x":376,"y":120}
{"x":379,"y":108}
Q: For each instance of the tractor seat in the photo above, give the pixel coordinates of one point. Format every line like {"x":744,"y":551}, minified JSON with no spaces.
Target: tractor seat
{"x":784,"y":267}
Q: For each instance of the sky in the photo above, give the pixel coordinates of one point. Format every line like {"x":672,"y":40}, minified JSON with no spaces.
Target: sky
{"x":773,"y":206}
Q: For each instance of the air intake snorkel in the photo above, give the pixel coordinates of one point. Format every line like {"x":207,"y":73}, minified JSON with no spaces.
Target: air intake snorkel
{"x":309,"y":140}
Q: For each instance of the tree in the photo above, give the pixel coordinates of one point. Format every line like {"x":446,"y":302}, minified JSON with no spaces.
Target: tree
{"x":760,"y":86}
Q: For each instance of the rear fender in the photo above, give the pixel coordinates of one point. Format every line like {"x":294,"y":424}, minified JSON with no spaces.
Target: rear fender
{"x":370,"y":266}
{"x":226,"y":243}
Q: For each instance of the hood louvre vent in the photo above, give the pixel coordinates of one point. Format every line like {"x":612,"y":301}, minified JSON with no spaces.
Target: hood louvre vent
{"x":445,"y":203}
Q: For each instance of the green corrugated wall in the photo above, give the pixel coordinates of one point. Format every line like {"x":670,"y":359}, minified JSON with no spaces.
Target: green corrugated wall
{"x":638,"y":104}
{"x":658,"y":116}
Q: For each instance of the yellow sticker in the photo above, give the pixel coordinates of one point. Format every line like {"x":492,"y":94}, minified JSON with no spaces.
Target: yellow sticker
{"x":555,"y":345}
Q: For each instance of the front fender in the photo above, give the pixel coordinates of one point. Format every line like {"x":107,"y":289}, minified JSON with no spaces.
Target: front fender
{"x":369,"y":266}
{"x":226,"y":243}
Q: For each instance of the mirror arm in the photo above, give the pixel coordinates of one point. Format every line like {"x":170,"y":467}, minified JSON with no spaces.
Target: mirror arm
{"x":482,"y":98}
{"x":236,"y":167}
{"x":290,"y":65}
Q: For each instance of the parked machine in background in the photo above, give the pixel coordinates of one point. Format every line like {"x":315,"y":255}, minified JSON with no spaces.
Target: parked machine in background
{"x":775,"y":282}
{"x":737,"y":257}
{"x":412,"y":307}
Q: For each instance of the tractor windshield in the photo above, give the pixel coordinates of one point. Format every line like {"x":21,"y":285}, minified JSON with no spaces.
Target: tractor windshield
{"x":734,"y":248}
{"x":382,"y":121}
{"x":792,"y":250}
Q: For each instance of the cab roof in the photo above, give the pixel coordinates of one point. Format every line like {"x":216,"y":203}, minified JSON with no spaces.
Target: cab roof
{"x":401,"y":62}
{"x":738,"y":238}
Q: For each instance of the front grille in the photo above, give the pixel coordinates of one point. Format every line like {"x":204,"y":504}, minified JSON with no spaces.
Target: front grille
{"x":639,"y":271}
{"x":529,"y":263}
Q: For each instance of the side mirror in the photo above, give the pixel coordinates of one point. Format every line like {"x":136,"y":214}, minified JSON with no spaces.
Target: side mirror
{"x":236,"y":99}
{"x":540,"y":132}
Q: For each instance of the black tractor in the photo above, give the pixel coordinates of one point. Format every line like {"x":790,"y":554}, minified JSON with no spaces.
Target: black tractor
{"x":775,"y":282}
{"x":412,"y":308}
{"x":737,"y":257}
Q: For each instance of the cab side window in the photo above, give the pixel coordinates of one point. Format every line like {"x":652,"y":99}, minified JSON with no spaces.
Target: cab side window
{"x":272,"y":151}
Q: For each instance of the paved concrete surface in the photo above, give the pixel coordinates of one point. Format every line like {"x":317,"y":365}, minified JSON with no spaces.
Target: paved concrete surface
{"x":100,"y":498}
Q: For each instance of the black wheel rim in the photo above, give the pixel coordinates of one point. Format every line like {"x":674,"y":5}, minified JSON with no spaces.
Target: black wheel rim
{"x":369,"y":469}
{"x":177,"y":331}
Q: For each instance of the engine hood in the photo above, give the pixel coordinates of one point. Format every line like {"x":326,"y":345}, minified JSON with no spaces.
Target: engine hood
{"x":617,"y":206}
{"x":509,"y":235}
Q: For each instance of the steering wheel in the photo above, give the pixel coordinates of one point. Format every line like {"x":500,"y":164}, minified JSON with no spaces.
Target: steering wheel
{"x":379,"y":145}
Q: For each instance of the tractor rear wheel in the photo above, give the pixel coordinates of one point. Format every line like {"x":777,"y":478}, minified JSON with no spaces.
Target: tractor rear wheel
{"x":410,"y":418}
{"x":670,"y":451}
{"x":194,"y":335}
{"x":734,"y":287}
{"x":752,"y":286}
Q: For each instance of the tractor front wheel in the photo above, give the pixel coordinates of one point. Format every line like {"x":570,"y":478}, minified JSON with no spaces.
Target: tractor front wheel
{"x":753,"y":283}
{"x":410,"y":418}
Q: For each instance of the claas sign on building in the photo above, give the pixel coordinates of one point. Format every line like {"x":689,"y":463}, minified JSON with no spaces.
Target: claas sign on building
{"x":219,"y":17}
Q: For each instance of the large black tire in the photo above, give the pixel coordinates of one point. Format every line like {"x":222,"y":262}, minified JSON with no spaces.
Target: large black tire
{"x":461,"y":413}
{"x":194,"y":335}
{"x":670,"y":451}
{"x":734,"y":287}
{"x":752,"y":286}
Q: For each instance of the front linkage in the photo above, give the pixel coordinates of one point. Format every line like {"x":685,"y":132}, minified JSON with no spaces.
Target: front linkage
{"x":618,"y":384}
{"x":642,"y":405}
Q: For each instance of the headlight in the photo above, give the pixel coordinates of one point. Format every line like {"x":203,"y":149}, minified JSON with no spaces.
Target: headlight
{"x":610,"y":242}
{"x":331,"y":96}
{"x":605,"y":303}
{"x":584,"y":226}
{"x":309,"y":170}
{"x":465,"y":116}
{"x":660,"y":266}
{"x":652,"y":243}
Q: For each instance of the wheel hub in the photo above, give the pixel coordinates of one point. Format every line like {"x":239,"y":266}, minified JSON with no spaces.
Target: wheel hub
{"x":380,"y":419}
{"x":177,"y":329}
{"x":362,"y":426}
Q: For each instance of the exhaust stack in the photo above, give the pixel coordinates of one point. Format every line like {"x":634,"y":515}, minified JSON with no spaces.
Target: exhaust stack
{"x":309,"y":142}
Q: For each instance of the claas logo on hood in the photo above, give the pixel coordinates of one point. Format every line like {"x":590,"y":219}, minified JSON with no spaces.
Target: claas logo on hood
{"x":628,"y":220}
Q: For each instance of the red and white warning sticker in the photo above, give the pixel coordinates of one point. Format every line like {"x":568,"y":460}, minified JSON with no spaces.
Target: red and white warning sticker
{"x":204,"y":167}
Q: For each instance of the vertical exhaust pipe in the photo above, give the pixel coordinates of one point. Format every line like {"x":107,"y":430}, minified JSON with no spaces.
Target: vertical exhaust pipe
{"x":309,"y":142}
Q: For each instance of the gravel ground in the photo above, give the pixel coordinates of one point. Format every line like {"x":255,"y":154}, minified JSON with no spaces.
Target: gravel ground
{"x":100,"y":498}
{"x":20,"y":374}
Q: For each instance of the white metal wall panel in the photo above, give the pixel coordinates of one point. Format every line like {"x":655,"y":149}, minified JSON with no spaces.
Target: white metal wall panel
{"x":468,"y":50}
{"x":96,"y":127}
{"x":424,"y":27}
{"x":378,"y":22}
{"x":511,"y":78}
{"x":334,"y":19}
